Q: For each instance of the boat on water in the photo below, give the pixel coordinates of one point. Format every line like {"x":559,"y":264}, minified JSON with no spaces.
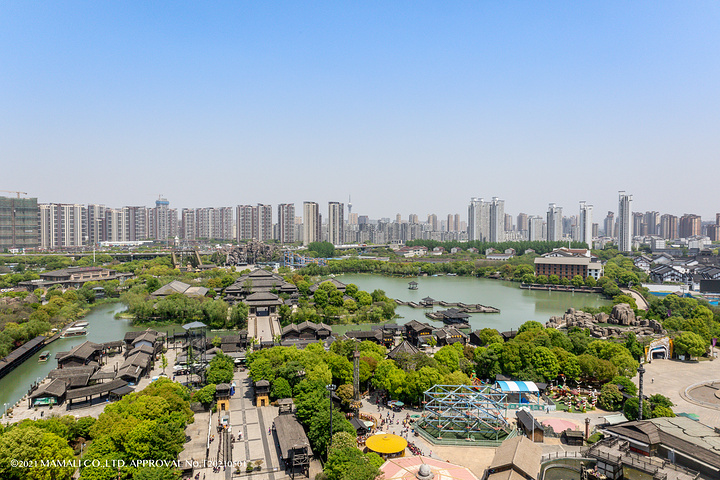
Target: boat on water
{"x":452,"y":274}
{"x":44,"y":356}
{"x":80,"y":324}
{"x":74,"y":332}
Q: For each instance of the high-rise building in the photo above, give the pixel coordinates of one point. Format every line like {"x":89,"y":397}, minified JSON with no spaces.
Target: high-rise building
{"x":19,"y":227}
{"x":638,"y":226}
{"x":508,"y":222}
{"x":497,"y":220}
{"x":187,"y":224}
{"x":689,"y":225}
{"x":595,"y":230}
{"x":222,"y":225}
{"x":450,"y":223}
{"x":353,"y":219}
{"x":554,"y":223}
{"x":138,"y":223}
{"x":311,"y":223}
{"x":254,"y":222}
{"x":244,"y":225}
{"x":433,"y":222}
{"x":413,"y":218}
{"x":162,"y":219}
{"x":96,"y":223}
{"x":286,"y":222}
{"x":398,"y":218}
{"x":478,"y":220}
{"x":522,"y":222}
{"x":609,"y":225}
{"x":116,"y":225}
{"x":585,"y":225}
{"x":624,"y":233}
{"x":535,"y":228}
{"x":62,"y":225}
{"x":336,"y":223}
{"x":652,"y":220}
{"x":263,"y":225}
{"x":669,"y":226}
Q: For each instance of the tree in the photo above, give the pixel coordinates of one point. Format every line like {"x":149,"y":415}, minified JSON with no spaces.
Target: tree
{"x":627,"y":384}
{"x":206,"y":395}
{"x":322,"y":249}
{"x":345,"y":393}
{"x":449,"y":357}
{"x":545,"y":363}
{"x":281,"y":389}
{"x":319,"y":432}
{"x":690,"y":344}
{"x":630,"y":410}
{"x":610,"y":398}
{"x":30,"y":443}
{"x":163,"y":362}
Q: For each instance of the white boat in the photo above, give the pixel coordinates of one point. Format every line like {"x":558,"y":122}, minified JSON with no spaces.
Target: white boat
{"x":80,"y":324}
{"x":74,"y":332}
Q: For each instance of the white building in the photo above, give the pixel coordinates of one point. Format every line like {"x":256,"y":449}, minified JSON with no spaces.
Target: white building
{"x":554,"y":223}
{"x":624,"y":222}
{"x":585,"y":224}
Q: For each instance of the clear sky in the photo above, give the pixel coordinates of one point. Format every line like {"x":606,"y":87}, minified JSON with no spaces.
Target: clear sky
{"x":410,"y":107}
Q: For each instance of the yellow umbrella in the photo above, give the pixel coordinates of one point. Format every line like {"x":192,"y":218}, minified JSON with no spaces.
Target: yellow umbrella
{"x":386,"y":444}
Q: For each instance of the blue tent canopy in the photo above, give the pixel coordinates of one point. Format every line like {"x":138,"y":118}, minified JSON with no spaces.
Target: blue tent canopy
{"x":514,"y":387}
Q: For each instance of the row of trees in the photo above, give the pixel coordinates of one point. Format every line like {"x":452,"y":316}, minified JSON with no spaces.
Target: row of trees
{"x":148,"y":425}
{"x":51,"y":439}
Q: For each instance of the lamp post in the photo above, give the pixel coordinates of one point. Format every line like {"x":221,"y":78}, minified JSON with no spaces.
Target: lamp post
{"x":640,"y":371}
{"x":331,"y":388}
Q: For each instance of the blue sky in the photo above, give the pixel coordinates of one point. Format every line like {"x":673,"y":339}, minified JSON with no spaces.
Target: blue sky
{"x":410,"y":107}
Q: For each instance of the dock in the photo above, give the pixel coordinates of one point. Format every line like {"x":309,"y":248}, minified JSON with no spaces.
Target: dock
{"x":463,"y":307}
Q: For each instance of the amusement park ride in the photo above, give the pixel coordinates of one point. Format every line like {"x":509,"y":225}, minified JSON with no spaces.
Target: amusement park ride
{"x":470,"y":412}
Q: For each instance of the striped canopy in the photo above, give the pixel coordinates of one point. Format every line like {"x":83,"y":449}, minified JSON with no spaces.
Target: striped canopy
{"x":517,"y":387}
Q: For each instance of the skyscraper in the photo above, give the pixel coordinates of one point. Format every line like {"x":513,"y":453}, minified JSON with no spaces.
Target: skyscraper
{"x":162,"y":220}
{"x":554,"y":223}
{"x":497,"y":220}
{"x":311,"y":223}
{"x":254,"y":222}
{"x":669,"y":226}
{"x":433,"y":222}
{"x":609,"y":224}
{"x":286,"y":222}
{"x":244,"y":222}
{"x":535,"y":228}
{"x":96,"y":223}
{"x":522,"y":222}
{"x":585,"y":224}
{"x":187,"y":224}
{"x":336,"y":223}
{"x":690,"y":225}
{"x":478,"y":220}
{"x":62,"y":225}
{"x":624,"y":222}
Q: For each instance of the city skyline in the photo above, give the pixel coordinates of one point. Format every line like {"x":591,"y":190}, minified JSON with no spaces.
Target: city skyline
{"x":108,"y":102}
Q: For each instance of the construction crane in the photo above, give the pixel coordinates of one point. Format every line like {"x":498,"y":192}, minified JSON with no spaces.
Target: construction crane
{"x":14,"y":191}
